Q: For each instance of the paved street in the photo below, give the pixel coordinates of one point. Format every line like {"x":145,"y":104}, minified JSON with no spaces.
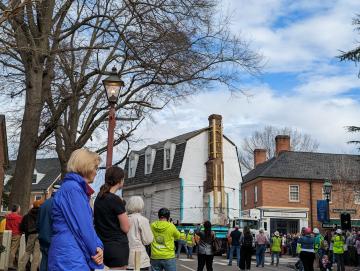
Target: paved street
{"x":220,"y":264}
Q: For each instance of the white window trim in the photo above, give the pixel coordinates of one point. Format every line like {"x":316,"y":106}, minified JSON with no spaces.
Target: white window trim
{"x":152,"y":153}
{"x":245,"y":197}
{"x":133,"y":161}
{"x":255,"y":194}
{"x":293,"y":185}
{"x":172,"y":147}
{"x":356,"y":198}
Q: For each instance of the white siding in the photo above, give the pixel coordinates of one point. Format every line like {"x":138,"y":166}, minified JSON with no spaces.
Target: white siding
{"x":193,"y":173}
{"x":232,"y":177}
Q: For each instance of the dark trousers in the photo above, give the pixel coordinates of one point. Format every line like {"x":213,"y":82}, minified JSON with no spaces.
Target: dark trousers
{"x":245,"y":259}
{"x":307,"y":259}
{"x":339,"y":258}
{"x":205,"y":260}
{"x":44,"y":258}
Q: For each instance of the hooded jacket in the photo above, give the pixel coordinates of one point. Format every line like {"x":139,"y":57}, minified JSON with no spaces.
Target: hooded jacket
{"x":13,"y":221}
{"x":28,"y":223}
{"x":165,"y":233}
{"x":74,"y":239}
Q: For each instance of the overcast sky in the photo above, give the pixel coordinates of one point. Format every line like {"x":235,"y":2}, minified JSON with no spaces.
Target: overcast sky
{"x":303,"y":85}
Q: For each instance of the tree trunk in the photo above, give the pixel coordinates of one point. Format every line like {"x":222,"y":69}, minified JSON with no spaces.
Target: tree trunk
{"x":25,"y":163}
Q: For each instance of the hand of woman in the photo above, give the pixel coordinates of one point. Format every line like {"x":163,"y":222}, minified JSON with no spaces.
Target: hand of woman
{"x":98,"y":258}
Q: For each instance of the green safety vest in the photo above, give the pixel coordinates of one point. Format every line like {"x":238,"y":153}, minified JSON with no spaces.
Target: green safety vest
{"x":190,"y":240}
{"x":276,"y":244}
{"x":319,"y":239}
{"x":182,"y":236}
{"x":339,"y":242}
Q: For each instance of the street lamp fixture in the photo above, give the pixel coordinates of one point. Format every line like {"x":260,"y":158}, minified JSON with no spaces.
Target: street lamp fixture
{"x":113,"y":85}
{"x":327,"y":191}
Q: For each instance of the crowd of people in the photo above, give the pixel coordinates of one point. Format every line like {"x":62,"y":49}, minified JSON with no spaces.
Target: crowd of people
{"x":71,"y":235}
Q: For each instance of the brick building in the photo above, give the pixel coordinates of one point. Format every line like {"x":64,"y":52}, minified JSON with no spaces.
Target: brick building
{"x":285,"y":188}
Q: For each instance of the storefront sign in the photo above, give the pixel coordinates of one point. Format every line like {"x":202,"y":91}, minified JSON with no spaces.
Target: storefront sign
{"x":350,"y":211}
{"x":329,"y":226}
{"x":284,"y":214}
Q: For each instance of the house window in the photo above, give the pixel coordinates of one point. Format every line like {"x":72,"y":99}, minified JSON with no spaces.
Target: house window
{"x":38,"y":197}
{"x":357,"y":197}
{"x":148,"y":163}
{"x":255,"y":194}
{"x":34,"y":179}
{"x":294,"y":193}
{"x":245,"y":197}
{"x":132,"y":168}
{"x":167,"y":158}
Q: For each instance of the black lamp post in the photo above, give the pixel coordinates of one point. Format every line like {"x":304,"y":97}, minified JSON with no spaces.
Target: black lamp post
{"x":113,"y":85}
{"x":327,"y":191}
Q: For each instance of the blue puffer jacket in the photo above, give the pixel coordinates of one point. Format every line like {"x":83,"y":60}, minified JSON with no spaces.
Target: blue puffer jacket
{"x":74,"y":239}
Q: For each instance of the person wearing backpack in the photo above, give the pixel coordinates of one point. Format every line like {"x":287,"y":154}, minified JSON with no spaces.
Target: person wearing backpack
{"x":205,"y":251}
{"x":235,"y":236}
{"x":318,"y":246}
{"x":275,"y":248}
{"x":247,"y":244}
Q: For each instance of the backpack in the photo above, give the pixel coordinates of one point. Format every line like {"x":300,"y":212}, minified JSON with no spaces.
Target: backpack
{"x":248,"y":240}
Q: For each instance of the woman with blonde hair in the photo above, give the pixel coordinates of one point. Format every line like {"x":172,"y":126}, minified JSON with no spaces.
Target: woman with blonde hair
{"x":111,"y":221}
{"x":74,"y":244}
{"x":140,"y":234}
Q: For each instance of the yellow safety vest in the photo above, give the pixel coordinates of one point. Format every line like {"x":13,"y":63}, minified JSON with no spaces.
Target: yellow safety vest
{"x":182,"y":236}
{"x":276,"y":244}
{"x":339,"y":242}
{"x":190,"y":240}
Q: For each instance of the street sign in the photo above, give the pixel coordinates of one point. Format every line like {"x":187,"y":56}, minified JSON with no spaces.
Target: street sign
{"x":350,"y":211}
{"x":329,"y":226}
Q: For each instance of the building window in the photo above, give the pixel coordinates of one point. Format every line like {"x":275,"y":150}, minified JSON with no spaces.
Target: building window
{"x":245,"y":197}
{"x":255,"y":194}
{"x":34,"y":179}
{"x":132,"y":168}
{"x":38,"y":197}
{"x":167,"y":157}
{"x":294,"y":193}
{"x":357,"y":197}
{"x":148,"y":163}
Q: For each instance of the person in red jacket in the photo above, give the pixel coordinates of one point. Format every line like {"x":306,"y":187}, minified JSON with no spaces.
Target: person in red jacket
{"x":13,"y":221}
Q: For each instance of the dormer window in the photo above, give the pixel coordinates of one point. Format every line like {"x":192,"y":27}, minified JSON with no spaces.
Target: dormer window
{"x":148,"y":163}
{"x":167,"y":158}
{"x":169,"y":152}
{"x":133,"y":160}
{"x":149,"y":160}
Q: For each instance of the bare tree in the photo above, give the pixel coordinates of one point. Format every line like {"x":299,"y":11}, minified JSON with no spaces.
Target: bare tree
{"x":56,"y":53}
{"x":265,"y":139}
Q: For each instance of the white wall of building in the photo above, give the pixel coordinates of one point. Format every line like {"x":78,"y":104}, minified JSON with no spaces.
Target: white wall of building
{"x":193,"y":173}
{"x":232,"y":177}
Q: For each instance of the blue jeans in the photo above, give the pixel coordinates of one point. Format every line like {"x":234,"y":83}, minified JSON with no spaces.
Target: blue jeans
{"x":260,"y":255}
{"x":237,"y":248}
{"x":163,"y":265}
{"x":190,"y":251}
{"x":276,"y":255}
{"x":181,"y":244}
{"x":44,"y":258}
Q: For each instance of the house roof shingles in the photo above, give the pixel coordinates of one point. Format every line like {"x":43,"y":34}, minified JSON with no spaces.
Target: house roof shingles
{"x":309,"y":166}
{"x":158,"y":174}
{"x":50,"y":167}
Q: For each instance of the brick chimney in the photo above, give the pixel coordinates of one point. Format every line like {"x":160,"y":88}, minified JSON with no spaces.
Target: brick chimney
{"x":259,"y":156}
{"x":282,"y":143}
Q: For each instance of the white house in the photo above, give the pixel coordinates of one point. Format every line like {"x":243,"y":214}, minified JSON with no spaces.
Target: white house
{"x":196,"y":175}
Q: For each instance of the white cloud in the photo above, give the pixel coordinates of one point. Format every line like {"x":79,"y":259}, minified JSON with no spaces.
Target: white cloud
{"x":323,"y":118}
{"x":322,"y":29}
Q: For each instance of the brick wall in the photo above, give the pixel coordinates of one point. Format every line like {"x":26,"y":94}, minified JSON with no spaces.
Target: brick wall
{"x":275,"y":193}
